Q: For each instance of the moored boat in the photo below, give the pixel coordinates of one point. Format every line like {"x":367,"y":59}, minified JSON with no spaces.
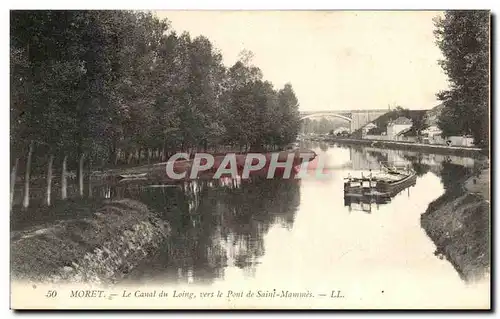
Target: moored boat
{"x":386,"y":183}
{"x":394,"y":182}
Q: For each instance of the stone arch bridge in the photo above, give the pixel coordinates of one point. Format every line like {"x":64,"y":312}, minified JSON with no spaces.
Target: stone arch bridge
{"x":356,"y":118}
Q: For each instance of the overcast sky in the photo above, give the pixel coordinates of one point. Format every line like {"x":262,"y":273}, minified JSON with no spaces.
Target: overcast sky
{"x":334,"y":60}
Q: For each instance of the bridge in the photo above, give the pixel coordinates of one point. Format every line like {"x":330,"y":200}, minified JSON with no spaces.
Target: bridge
{"x":356,"y":118}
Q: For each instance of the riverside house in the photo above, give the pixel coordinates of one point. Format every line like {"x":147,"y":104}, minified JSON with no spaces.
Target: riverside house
{"x":397,"y":126}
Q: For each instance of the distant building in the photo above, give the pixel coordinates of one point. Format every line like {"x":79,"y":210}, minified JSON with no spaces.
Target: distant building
{"x":368,"y":127}
{"x":394,"y":128}
{"x":340,"y":130}
{"x":432,"y":135}
{"x":432,"y":131}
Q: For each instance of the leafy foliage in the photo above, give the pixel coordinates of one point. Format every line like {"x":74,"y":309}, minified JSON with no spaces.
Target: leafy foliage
{"x":104,"y":82}
{"x":464,"y":39}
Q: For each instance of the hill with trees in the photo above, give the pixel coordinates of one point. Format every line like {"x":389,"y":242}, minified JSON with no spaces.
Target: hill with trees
{"x":417,"y":117}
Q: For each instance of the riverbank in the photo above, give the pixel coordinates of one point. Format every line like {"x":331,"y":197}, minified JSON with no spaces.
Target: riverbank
{"x":458,"y":223}
{"x":86,"y":241}
{"x":185,"y":165}
{"x":397,"y":145}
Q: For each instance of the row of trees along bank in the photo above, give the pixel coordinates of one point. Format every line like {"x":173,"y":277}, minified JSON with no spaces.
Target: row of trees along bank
{"x":107,"y":88}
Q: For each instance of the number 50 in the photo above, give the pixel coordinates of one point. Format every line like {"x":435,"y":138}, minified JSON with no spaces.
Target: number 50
{"x":51,"y":294}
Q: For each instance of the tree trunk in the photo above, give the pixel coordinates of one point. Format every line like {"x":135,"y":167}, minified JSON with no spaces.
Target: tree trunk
{"x":64,"y":182}
{"x":130,"y":154}
{"x":163,"y":154}
{"x":90,"y":178}
{"x":26,"y":200}
{"x":80,"y":175}
{"x":13,"y":181}
{"x":49,"y":178}
{"x":117,"y":157}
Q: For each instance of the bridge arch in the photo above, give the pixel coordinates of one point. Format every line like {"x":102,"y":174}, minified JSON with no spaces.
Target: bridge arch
{"x":320,"y":114}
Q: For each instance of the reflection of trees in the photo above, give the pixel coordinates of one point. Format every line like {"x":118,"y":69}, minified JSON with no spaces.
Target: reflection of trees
{"x":363,"y":160}
{"x":417,"y":164}
{"x":250,"y":210}
{"x":216,"y":222}
{"x":323,"y":146}
{"x":382,"y":155}
{"x":378,"y":156}
{"x":452,"y":175}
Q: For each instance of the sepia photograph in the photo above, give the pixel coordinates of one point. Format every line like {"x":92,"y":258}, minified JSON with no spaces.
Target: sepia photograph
{"x":320,"y":159}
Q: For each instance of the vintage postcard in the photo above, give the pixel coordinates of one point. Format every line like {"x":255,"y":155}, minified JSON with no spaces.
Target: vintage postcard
{"x":250,"y":159}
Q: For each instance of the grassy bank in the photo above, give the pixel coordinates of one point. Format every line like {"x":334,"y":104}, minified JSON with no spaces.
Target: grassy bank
{"x":89,"y":241}
{"x":459,"y":224}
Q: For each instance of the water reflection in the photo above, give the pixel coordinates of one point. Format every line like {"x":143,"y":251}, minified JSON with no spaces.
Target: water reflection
{"x":229,"y":227}
{"x":450,"y":168}
{"x":271,"y":230}
{"x":216,"y":224}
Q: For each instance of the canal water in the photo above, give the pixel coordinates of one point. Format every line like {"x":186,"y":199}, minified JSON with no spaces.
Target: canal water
{"x":304,"y":235}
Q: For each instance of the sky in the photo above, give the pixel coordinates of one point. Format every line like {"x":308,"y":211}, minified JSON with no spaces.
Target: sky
{"x":335,"y":60}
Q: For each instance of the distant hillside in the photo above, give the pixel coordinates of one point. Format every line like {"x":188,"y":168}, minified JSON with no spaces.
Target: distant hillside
{"x":431,"y":118}
{"x":433,"y":114}
{"x":384,"y":119}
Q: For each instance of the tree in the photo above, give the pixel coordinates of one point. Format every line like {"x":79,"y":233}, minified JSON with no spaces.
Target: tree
{"x":418,"y":122}
{"x":289,"y":115}
{"x":101,"y":87}
{"x":376,"y":131}
{"x":463,"y":37}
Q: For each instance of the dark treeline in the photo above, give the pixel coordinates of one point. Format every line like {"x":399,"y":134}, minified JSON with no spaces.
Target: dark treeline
{"x":101,"y":88}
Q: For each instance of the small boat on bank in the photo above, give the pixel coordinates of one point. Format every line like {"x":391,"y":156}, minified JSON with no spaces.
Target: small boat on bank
{"x":133,"y":176}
